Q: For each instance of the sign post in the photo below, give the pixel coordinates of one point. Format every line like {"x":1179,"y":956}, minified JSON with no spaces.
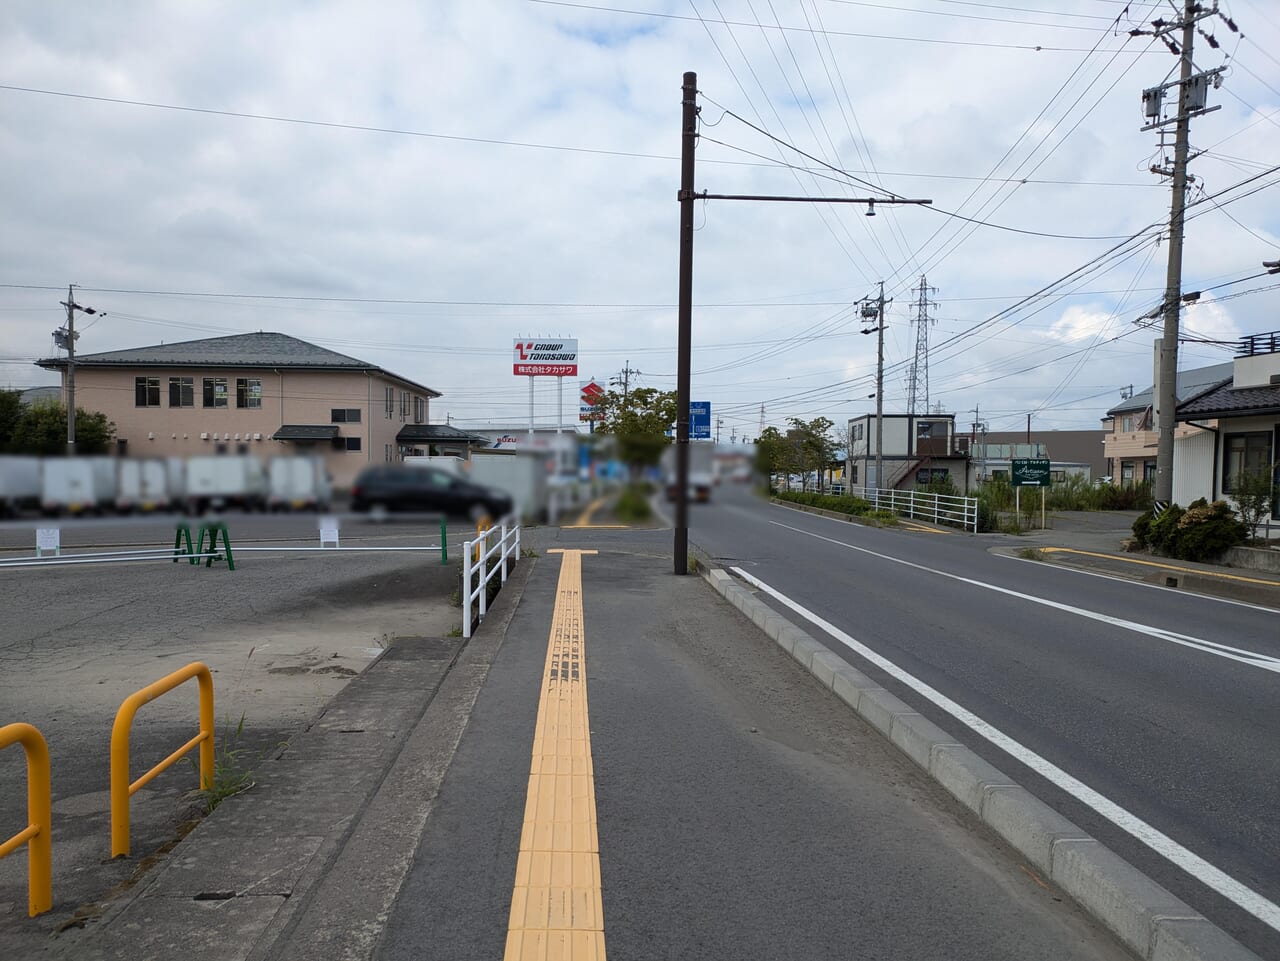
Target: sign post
{"x":544,"y":357}
{"x":589,"y":393}
{"x":699,"y":420}
{"x":1029,"y":472}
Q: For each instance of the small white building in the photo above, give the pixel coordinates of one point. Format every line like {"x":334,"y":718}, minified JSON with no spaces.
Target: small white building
{"x":1236,"y":427}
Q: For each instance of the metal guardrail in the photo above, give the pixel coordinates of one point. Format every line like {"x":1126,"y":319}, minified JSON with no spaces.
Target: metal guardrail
{"x":183,"y":550}
{"x":121,"y":789}
{"x":37,"y":834}
{"x":504,"y":541}
{"x":961,"y":512}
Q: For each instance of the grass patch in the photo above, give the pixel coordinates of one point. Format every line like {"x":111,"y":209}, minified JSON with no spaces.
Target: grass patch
{"x":231,"y":771}
{"x":633,"y":504}
{"x":1031,"y":554}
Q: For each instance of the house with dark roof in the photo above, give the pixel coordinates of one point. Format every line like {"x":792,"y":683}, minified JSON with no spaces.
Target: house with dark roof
{"x":260,"y":393}
{"x":1130,"y":437}
{"x":1232,"y":426}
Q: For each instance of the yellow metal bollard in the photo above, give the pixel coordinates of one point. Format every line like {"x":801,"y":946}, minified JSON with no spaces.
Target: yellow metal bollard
{"x":483,"y":526}
{"x":36,"y":835}
{"x":121,"y":789}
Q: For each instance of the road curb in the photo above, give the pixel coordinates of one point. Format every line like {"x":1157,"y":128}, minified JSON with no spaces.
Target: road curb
{"x":1147,"y":918}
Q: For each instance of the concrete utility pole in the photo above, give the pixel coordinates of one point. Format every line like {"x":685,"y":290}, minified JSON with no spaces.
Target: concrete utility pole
{"x":625,"y":380}
{"x":1192,"y":92}
{"x":875,"y":309}
{"x":66,"y":337}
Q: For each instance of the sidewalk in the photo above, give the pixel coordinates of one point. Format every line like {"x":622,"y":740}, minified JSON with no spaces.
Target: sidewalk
{"x":1091,"y":540}
{"x":743,"y":809}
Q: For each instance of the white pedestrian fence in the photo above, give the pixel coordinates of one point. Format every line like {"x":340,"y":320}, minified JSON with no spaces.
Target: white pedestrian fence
{"x":483,"y":559}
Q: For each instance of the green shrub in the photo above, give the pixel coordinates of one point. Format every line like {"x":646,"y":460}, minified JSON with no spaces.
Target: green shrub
{"x":633,"y":504}
{"x":1163,"y":532}
{"x":988,"y":517}
{"x":888,"y":518}
{"x":1206,"y":530}
{"x":1201,"y":532}
{"x":1142,"y":529}
{"x":841,"y":504}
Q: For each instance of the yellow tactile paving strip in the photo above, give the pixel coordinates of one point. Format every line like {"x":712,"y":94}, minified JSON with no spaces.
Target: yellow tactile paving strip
{"x":584,"y":519}
{"x":556,"y":908}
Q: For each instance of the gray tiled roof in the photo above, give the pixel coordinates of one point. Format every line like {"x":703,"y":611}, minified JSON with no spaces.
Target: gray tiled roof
{"x":1189,"y":383}
{"x":1226,"y":401}
{"x":263,"y":349}
{"x":306,"y":432}
{"x":426,"y":433}
{"x":236,"y":350}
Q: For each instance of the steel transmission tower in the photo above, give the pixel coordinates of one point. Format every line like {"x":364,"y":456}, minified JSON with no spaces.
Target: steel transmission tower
{"x":918,"y":375}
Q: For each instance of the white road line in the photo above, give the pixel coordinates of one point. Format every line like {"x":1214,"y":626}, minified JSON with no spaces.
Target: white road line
{"x":1252,"y":658}
{"x":1200,"y":869}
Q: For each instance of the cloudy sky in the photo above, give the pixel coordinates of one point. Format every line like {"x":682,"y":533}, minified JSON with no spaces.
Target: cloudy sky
{"x":417,"y":183}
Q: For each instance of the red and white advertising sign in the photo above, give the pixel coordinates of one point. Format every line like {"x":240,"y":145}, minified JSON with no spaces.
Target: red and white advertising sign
{"x":545,"y":357}
{"x":589,"y":391}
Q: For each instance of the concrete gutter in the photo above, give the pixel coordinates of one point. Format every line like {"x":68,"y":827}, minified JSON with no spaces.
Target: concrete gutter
{"x":1148,"y":919}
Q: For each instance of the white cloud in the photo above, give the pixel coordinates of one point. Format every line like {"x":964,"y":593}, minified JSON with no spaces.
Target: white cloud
{"x":142,"y":198}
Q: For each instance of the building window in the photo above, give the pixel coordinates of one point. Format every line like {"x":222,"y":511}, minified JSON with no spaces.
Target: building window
{"x":390,"y":400}
{"x":388,"y":452}
{"x":404,"y":404}
{"x":857,"y":431}
{"x":146,"y":392}
{"x":1244,"y":454}
{"x":182,"y":392}
{"x":419,"y":410}
{"x":1149,"y":470}
{"x":1126,"y":473}
{"x":248,"y":393}
{"x":346,"y":443}
{"x":344,"y":415}
{"x":1126,"y":424}
{"x":215,"y":392}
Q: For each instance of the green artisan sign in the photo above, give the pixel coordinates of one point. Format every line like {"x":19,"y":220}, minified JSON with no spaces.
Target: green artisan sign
{"x":1028,"y":472}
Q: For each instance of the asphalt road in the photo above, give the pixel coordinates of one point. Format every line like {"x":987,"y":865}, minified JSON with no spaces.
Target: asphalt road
{"x":1164,"y":726}
{"x":743,"y":811}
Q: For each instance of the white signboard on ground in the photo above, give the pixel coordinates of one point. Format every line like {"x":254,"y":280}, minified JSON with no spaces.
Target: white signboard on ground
{"x":48,"y":539}
{"x":328,"y":531}
{"x":544,"y":357}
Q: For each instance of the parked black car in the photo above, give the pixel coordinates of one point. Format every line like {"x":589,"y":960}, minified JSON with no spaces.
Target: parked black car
{"x":398,"y":487}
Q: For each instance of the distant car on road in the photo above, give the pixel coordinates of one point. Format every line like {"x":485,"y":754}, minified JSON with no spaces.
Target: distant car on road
{"x":395,"y":487}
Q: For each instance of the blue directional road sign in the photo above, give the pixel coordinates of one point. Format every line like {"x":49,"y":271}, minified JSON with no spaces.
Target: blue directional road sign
{"x":700,"y":420}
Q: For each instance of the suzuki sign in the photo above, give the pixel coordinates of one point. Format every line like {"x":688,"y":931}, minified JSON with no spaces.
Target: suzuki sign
{"x":589,"y":392}
{"x":545,"y":358}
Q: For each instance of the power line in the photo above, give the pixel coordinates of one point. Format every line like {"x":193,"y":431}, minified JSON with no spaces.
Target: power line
{"x":989,"y":44}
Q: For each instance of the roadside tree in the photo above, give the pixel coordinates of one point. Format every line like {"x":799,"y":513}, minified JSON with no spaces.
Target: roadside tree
{"x":42,"y":429}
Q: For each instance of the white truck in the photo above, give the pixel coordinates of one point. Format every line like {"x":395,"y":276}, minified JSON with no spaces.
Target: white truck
{"x":297,"y":483}
{"x":143,"y":485}
{"x":77,"y":485}
{"x":19,"y":484}
{"x":701,"y":481}
{"x":225,"y":480}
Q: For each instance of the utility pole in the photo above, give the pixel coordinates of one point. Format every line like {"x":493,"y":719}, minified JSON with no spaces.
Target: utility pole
{"x":625,"y":380}
{"x":918,"y":377}
{"x":686,"y":197}
{"x":1192,"y":93}
{"x":684,"y":339}
{"x":875,"y":309}
{"x":719,"y":424}
{"x":65,"y":337}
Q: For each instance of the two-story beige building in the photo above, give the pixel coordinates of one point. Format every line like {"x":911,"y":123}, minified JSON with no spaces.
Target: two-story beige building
{"x":1130,"y":438}
{"x":262,"y":394}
